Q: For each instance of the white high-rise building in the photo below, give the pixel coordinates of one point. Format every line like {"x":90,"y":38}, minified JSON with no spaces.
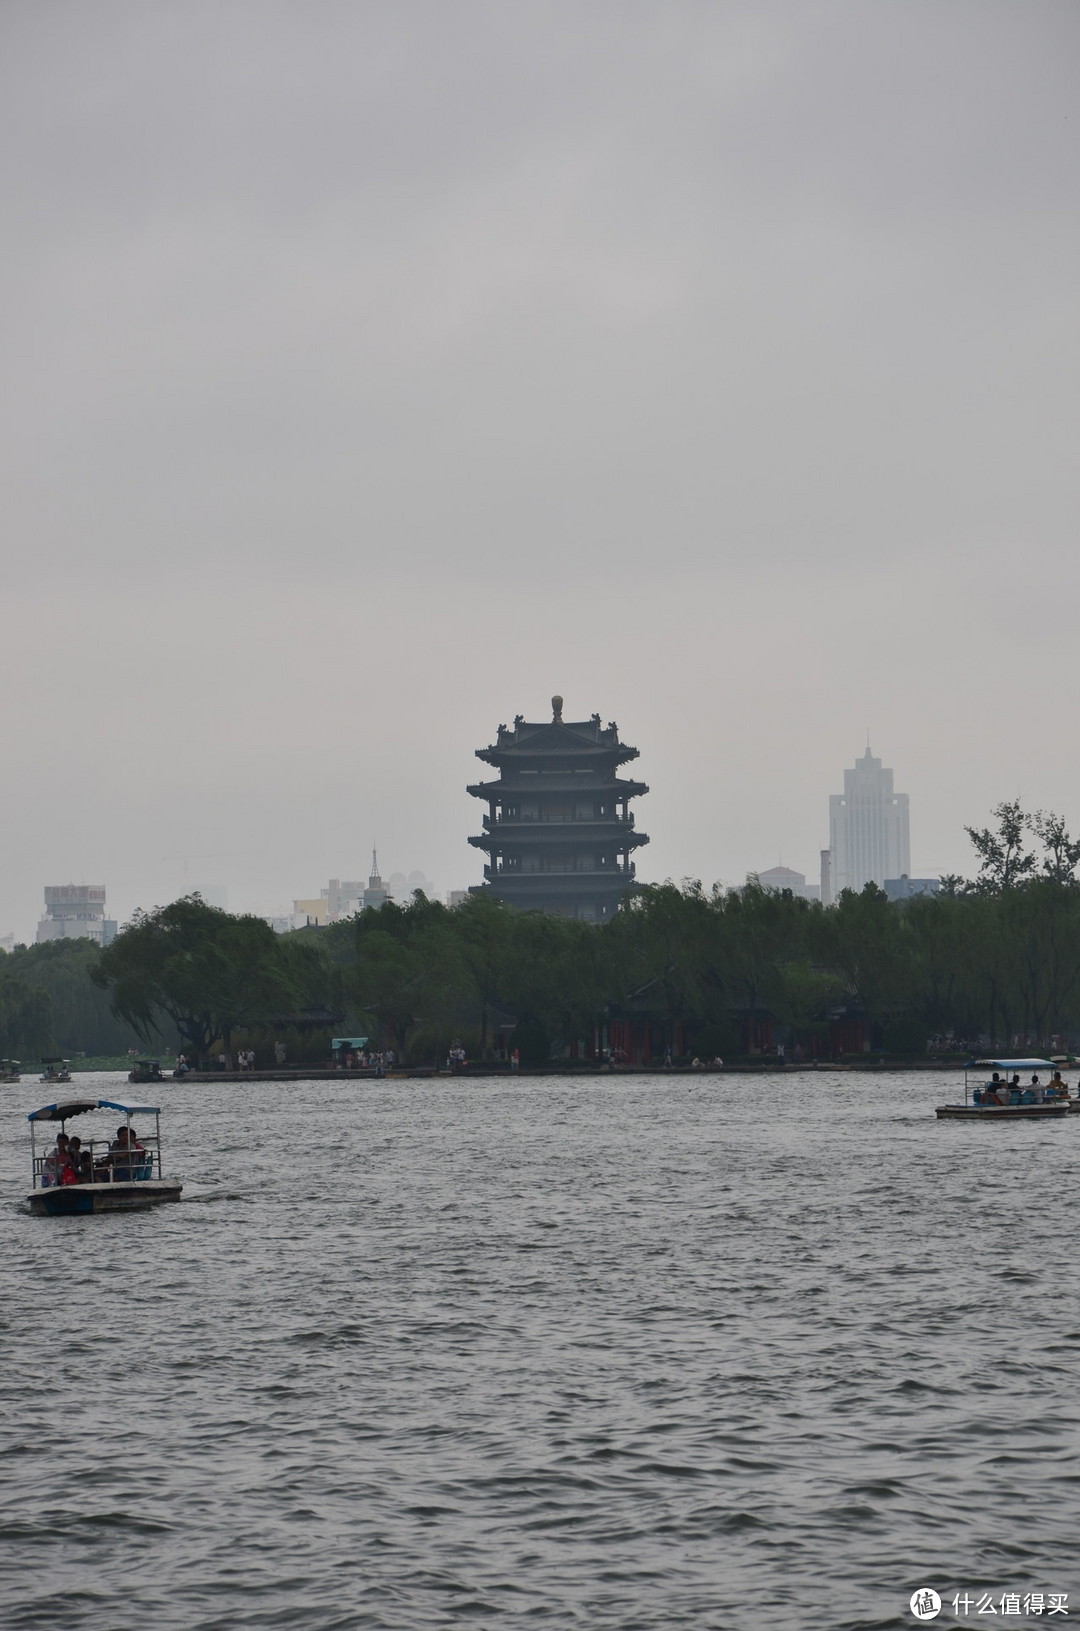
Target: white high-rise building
{"x":779,"y":878}
{"x":76,"y":911}
{"x":869,"y":839}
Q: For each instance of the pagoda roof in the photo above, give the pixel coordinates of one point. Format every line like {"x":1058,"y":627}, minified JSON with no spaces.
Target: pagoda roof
{"x":584,"y":737}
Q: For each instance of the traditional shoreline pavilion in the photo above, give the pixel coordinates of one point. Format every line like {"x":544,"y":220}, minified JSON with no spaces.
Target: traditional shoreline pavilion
{"x":558,"y":832}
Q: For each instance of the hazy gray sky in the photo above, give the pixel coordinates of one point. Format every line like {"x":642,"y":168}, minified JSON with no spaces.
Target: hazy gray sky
{"x":373,"y":371}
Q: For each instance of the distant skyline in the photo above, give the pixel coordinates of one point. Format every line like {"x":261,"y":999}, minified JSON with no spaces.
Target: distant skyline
{"x":373,"y":373}
{"x":218,"y":893}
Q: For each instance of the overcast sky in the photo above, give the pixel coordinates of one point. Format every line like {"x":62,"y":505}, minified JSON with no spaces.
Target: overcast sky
{"x":373,"y":371}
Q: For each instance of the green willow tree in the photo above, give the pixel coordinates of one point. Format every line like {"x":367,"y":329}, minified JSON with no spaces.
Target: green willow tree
{"x":81,"y":1020}
{"x":26,"y":1025}
{"x":202,"y":970}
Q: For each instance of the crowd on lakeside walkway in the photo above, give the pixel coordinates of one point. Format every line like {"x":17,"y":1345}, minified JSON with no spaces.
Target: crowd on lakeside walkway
{"x":367,"y":1059}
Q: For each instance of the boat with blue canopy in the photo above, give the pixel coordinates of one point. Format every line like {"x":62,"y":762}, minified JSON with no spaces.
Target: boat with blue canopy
{"x":119,"y":1174}
{"x":1015,"y":1091}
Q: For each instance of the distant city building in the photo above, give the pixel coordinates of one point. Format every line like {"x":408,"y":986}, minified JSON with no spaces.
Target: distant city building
{"x":309,"y":911}
{"x":456,"y":897}
{"x":343,"y":898}
{"x":402,"y":889}
{"x":214,"y":894}
{"x":76,"y":911}
{"x":904,"y":888}
{"x":868,"y":828}
{"x":779,"y":878}
{"x":376,"y":894}
{"x":558,"y":832}
{"x":281,"y":924}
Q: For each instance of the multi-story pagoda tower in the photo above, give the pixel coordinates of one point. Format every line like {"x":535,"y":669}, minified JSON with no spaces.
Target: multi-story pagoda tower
{"x":558,"y":832}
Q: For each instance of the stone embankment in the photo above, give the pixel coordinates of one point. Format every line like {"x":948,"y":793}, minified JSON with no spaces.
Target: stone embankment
{"x":569,"y":1067}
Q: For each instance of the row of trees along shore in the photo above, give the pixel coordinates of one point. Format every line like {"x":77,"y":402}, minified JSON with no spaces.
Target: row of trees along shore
{"x":986,"y":960}
{"x":706,"y":972}
{"x":49,"y":1004}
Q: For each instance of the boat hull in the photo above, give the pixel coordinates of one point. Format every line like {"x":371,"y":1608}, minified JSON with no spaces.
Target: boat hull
{"x":1003,"y":1112}
{"x":69,"y":1200}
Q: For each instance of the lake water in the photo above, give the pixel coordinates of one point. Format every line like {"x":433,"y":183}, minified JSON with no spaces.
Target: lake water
{"x":633,"y":1353}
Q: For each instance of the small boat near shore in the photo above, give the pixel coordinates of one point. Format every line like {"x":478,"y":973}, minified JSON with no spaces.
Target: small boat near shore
{"x":56,"y":1070}
{"x":1003,"y":1100}
{"x":122,"y":1174}
{"x":146,"y":1070}
{"x":9,"y":1070}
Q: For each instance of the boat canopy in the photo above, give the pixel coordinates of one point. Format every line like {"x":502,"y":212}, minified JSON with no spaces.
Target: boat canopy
{"x":61,"y":1112}
{"x":1017,"y":1064}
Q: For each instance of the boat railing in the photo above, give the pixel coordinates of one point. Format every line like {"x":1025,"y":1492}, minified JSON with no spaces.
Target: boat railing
{"x":109,"y":1163}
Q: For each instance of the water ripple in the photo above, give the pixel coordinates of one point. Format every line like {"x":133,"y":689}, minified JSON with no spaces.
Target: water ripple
{"x":609,"y":1354}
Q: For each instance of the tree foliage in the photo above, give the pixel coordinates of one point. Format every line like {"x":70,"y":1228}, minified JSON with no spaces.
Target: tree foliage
{"x":201,"y":971}
{"x":25,"y":1014}
{"x":1004,"y":860}
{"x":49,"y":1003}
{"x":993,"y":958}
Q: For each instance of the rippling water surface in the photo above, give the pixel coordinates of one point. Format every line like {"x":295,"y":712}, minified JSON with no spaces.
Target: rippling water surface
{"x":635,"y":1352}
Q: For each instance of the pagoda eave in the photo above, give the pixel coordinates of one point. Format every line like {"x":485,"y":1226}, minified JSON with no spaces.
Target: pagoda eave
{"x":599,"y":755}
{"x":559,"y":834}
{"x":552,"y":783}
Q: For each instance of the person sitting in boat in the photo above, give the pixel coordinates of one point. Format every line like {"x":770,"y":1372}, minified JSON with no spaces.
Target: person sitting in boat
{"x":119,"y":1157}
{"x":1038,"y":1092}
{"x":1056,"y":1088}
{"x":130,"y":1150}
{"x":78,"y":1162}
{"x":68,"y":1173}
{"x":995,"y":1091}
{"x":142,"y":1161}
{"x":55,"y":1162}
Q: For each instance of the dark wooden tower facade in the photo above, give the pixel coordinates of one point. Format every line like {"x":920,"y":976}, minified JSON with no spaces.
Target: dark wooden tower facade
{"x":558,"y":832}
